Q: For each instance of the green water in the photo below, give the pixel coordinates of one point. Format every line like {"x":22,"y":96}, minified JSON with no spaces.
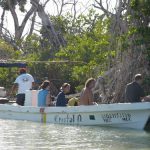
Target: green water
{"x":24,"y":135}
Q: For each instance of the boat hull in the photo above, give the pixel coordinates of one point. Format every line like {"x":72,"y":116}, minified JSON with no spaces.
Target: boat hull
{"x":123,"y":115}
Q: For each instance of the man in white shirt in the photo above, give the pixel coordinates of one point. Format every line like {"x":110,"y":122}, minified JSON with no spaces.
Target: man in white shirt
{"x":23,"y":82}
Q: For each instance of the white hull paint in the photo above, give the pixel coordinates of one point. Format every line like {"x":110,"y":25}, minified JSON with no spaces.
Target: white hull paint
{"x":125,"y":115}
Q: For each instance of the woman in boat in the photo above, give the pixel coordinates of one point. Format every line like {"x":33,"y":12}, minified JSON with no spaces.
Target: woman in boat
{"x":61,"y":100}
{"x":44,"y":98}
{"x":86,"y":97}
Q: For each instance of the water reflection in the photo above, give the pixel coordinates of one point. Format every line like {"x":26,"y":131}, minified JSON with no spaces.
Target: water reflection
{"x":17,"y":135}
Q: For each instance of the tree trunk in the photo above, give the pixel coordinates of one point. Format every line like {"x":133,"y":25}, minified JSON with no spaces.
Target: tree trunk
{"x":19,"y":28}
{"x":55,"y":38}
{"x":2,"y":22}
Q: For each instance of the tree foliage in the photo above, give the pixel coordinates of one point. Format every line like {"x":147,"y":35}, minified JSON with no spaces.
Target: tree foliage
{"x":88,"y":45}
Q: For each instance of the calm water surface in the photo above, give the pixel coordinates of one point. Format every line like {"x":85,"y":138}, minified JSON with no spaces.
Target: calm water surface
{"x":24,"y":135}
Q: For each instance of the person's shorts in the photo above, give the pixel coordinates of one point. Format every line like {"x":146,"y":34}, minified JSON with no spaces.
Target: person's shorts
{"x":20,"y":99}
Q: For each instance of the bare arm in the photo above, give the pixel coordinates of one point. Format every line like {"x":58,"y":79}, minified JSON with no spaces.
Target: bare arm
{"x":90,"y":98}
{"x":33,"y":85}
{"x":13,"y":89}
{"x":145,"y":99}
{"x":48,"y":99}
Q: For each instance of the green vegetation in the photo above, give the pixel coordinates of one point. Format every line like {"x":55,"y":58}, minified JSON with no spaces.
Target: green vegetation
{"x":90,"y":47}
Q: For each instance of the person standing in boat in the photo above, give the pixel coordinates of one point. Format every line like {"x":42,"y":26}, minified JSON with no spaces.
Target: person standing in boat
{"x":23,"y":82}
{"x":134,"y":92}
{"x":44,"y":98}
{"x":86,"y":97}
{"x":61,"y":100}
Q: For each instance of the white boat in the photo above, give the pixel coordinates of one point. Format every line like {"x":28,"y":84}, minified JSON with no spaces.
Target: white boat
{"x":125,"y":115}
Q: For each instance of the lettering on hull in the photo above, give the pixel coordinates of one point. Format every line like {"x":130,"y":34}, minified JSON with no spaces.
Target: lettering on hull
{"x":68,"y":119}
{"x":109,"y":117}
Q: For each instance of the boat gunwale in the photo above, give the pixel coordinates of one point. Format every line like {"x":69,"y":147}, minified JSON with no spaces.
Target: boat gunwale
{"x":79,"y":109}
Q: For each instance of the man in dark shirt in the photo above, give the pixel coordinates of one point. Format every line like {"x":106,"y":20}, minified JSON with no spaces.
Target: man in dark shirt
{"x":134,"y":92}
{"x":61,"y":100}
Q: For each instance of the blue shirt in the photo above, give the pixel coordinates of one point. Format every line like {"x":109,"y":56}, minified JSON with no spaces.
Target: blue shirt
{"x":61,"y":100}
{"x":42,"y":98}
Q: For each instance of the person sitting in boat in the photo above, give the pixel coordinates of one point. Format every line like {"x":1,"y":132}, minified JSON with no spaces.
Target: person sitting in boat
{"x":86,"y":97}
{"x":23,"y":82}
{"x":44,"y":97}
{"x":61,"y":100}
{"x":134,"y":92}
{"x":73,"y":101}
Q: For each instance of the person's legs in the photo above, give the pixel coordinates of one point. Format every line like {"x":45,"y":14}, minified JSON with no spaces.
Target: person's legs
{"x":20,"y":99}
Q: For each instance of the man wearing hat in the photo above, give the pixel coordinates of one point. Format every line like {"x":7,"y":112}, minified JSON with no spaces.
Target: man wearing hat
{"x":23,"y":82}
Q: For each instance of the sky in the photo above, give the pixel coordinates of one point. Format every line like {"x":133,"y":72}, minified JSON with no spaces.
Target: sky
{"x":51,"y":9}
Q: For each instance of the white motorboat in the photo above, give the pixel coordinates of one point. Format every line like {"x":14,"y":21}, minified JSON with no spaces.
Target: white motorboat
{"x":125,"y":115}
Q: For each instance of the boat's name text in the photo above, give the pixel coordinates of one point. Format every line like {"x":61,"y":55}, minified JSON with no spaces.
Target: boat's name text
{"x":68,"y":118}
